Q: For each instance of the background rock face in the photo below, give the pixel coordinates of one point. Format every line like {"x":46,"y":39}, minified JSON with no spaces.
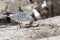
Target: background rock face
{"x":13,"y":6}
{"x":56,"y":7}
{"x":3,"y":7}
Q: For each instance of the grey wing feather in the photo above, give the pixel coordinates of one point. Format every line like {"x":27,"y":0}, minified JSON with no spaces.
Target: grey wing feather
{"x":21,"y":16}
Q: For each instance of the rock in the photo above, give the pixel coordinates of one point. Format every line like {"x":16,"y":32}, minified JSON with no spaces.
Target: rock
{"x":54,"y":21}
{"x":47,"y":27}
{"x":42,"y":39}
{"x":2,"y":26}
{"x":35,"y":24}
{"x":26,"y":24}
{"x":13,"y":6}
{"x":3,"y":5}
{"x":26,"y":39}
{"x":54,"y":38}
{"x":56,"y":7}
{"x":2,"y":16}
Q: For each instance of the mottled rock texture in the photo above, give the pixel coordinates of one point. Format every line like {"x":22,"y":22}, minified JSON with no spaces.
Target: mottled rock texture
{"x":47,"y":27}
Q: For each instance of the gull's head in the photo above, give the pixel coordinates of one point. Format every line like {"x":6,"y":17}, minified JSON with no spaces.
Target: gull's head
{"x":44,"y":1}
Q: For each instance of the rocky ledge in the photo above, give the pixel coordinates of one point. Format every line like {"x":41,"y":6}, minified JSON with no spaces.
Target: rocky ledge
{"x":47,"y":27}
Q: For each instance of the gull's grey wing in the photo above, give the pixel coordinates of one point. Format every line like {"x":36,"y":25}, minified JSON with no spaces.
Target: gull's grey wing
{"x":21,"y":16}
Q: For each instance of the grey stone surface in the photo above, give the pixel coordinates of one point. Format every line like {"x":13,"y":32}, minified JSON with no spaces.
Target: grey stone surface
{"x":54,"y":38}
{"x":3,"y":5}
{"x":44,"y":31}
{"x":42,"y":39}
{"x":13,"y":6}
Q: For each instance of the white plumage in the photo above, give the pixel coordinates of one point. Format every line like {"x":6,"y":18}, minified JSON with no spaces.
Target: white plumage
{"x":44,"y":4}
{"x":36,"y":14}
